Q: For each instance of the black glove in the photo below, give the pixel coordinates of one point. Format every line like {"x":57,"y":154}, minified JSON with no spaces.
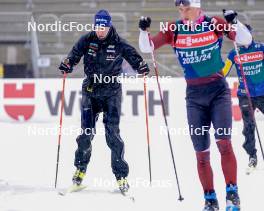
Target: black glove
{"x":143,"y":68}
{"x":230,"y":16}
{"x":65,"y":66}
{"x":144,"y":23}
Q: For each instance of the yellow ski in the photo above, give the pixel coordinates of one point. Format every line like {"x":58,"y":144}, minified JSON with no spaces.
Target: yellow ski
{"x":72,"y":189}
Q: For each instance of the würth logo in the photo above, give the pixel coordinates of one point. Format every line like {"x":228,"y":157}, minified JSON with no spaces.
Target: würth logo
{"x":195,"y":40}
{"x":14,"y":100}
{"x":250,"y":57}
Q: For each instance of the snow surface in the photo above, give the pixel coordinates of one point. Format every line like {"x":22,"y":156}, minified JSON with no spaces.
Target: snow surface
{"x":28,"y":171}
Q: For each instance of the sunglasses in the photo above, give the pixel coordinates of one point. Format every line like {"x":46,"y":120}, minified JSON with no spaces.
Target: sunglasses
{"x":185,"y":3}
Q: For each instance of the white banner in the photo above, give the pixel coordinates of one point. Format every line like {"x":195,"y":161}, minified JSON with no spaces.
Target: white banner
{"x":38,"y":100}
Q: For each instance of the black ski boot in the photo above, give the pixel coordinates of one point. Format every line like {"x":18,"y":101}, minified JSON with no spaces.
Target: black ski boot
{"x":78,"y":177}
{"x":211,"y":202}
{"x":253,"y":161}
{"x":232,"y":198}
{"x":123,"y":185}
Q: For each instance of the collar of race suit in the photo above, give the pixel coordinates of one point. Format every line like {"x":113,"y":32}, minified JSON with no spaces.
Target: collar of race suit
{"x":247,"y":47}
{"x":111,"y":36}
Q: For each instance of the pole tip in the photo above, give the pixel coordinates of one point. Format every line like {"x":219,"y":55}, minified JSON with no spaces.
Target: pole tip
{"x":181,"y":198}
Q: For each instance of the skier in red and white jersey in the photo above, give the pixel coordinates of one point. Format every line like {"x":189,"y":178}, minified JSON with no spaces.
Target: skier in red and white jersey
{"x":208,"y":96}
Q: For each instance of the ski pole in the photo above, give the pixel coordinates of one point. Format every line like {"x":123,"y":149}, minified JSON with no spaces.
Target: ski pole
{"x":147,"y":127}
{"x":165,"y":118}
{"x":59,"y":138}
{"x":248,"y":96}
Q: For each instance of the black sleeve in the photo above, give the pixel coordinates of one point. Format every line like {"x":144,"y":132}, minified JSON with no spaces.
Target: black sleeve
{"x":78,"y":50}
{"x":130,"y":54}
